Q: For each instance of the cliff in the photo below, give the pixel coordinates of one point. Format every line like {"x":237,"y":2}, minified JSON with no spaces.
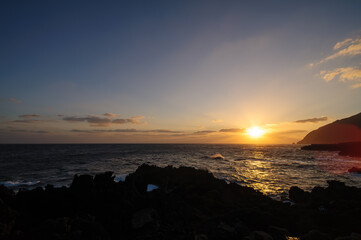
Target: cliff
{"x":340,"y":131}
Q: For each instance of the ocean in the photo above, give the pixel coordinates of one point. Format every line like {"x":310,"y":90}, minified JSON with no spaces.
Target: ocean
{"x":271,"y":169}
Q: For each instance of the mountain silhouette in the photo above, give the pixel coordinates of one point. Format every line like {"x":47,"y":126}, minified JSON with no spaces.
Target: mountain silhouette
{"x":340,"y":131}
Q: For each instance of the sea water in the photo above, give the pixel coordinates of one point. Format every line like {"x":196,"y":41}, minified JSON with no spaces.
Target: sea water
{"x":271,"y":169}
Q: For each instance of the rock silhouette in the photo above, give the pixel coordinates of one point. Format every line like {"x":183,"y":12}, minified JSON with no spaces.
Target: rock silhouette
{"x":189,"y":204}
{"x":351,"y":149}
{"x":340,"y":131}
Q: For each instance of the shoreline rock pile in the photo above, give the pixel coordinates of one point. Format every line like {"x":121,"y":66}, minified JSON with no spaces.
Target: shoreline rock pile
{"x":188,"y":204}
{"x":350,"y":149}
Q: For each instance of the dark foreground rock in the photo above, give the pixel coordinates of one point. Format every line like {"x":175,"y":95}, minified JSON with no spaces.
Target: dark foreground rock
{"x":355,"y":170}
{"x":351,"y":149}
{"x":189,"y":204}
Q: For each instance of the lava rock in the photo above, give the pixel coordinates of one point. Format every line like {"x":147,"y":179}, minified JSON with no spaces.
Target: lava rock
{"x":298,"y":195}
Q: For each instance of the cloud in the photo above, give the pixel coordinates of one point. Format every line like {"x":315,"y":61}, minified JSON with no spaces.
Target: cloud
{"x":127,"y":130}
{"x":347,"y":47}
{"x":203,"y":132}
{"x":110,"y":114}
{"x":357,"y":85}
{"x":342,"y":43}
{"x":312,"y":120}
{"x":344,"y":75}
{"x":104,"y":121}
{"x":292,"y":131}
{"x":28,"y":131}
{"x":93,"y":120}
{"x":14,"y":100}
{"x":132,"y":120}
{"x":29,"y":121}
{"x":161,"y":131}
{"x":60,"y":115}
{"x":29,"y":116}
{"x":232,"y":130}
{"x":288,"y":132}
{"x":25,"y":121}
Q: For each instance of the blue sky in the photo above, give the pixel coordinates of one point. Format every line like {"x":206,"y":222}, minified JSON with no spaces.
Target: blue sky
{"x":184,"y":66}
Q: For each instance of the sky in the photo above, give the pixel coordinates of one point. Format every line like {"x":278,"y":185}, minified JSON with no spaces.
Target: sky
{"x":176,"y":71}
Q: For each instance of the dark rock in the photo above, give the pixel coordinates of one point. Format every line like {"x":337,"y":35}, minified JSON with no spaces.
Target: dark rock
{"x":143,"y":217}
{"x":278,"y":233}
{"x":336,"y":185}
{"x":6,"y":194}
{"x":351,"y":149}
{"x":315,"y":235}
{"x":104,"y":179}
{"x":83,"y":183}
{"x":297,"y":195}
{"x":353,"y":236}
{"x":226,"y":227}
{"x":200,"y":237}
{"x":189,"y":204}
{"x":356,"y":236}
{"x":354,"y":170}
{"x":260,"y":235}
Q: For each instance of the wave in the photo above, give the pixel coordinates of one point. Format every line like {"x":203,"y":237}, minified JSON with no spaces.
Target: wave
{"x":217,"y":156}
{"x":120,"y":178}
{"x":12,"y":184}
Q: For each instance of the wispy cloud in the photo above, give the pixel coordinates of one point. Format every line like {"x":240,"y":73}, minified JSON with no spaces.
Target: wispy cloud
{"x":357,"y":85}
{"x":205,"y":132}
{"x":110,"y":114}
{"x":343,"y":43}
{"x":104,"y":121}
{"x":93,"y":120}
{"x":312,"y":120}
{"x":14,"y":100}
{"x":347,"y":47}
{"x":29,"y":116}
{"x":28,"y":131}
{"x":288,"y":132}
{"x":25,"y":121}
{"x":344,"y":75}
{"x":127,"y":130}
{"x":232,"y":130}
{"x":132,"y":120}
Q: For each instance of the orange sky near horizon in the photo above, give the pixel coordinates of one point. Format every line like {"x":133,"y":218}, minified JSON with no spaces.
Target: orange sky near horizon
{"x":176,"y":71}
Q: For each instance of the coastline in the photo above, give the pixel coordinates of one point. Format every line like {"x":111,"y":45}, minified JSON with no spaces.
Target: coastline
{"x":350,"y":149}
{"x":184,"y":204}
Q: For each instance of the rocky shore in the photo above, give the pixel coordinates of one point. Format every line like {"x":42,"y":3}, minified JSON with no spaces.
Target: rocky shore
{"x":351,"y":149}
{"x":177,"y":203}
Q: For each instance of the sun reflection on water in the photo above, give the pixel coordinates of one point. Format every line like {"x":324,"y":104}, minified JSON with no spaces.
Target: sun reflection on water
{"x":257,"y":172}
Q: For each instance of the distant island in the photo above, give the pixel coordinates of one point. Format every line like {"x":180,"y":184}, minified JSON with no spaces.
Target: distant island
{"x":340,"y":131}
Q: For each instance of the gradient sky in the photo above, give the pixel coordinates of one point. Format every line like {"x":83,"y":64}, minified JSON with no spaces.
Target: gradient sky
{"x":176,"y":71}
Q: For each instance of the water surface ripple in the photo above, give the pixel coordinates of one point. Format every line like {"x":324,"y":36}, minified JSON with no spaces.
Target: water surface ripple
{"x":271,"y":169}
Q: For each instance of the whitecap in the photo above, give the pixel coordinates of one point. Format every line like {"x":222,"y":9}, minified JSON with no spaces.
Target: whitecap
{"x":151,"y":187}
{"x":217,"y":156}
{"x":18,"y":183}
{"x":120,"y":178}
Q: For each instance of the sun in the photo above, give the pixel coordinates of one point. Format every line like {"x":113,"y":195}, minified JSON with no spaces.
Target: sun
{"x":255,"y":132}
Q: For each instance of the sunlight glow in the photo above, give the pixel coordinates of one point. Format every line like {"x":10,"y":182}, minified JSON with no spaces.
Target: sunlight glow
{"x":255,"y":132}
